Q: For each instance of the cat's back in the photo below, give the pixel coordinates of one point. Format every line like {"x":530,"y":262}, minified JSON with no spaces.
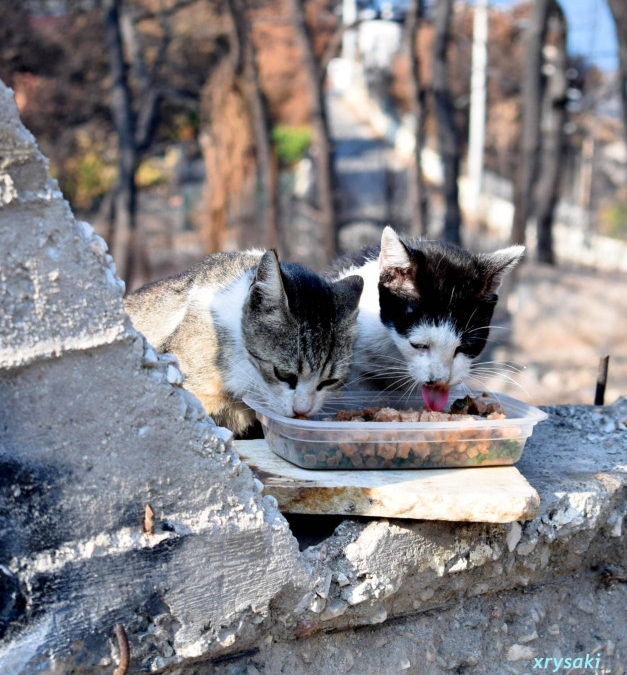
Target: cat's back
{"x":157,"y":308}
{"x":220,"y":270}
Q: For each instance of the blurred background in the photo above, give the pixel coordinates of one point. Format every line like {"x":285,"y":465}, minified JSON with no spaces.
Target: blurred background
{"x":183,"y":127}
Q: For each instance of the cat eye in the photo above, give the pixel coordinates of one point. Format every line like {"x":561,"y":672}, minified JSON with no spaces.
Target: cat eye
{"x":327,"y":383}
{"x":420,"y":346}
{"x":470,"y":346}
{"x":285,"y":376}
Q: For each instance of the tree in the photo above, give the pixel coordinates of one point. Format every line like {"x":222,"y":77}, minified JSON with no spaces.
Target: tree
{"x":532,"y":88}
{"x":123,"y":236}
{"x":448,"y":137}
{"x":321,"y":146}
{"x":417,"y":100}
{"x":542,"y":141}
{"x":619,"y":12}
{"x":247,"y":78}
{"x":553,"y":142}
{"x":134,"y":110}
{"x":226,"y":140}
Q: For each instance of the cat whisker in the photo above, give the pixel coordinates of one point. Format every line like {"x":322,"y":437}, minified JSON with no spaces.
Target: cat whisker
{"x":496,"y":365}
{"x":369,"y":358}
{"x":483,"y":382}
{"x":489,"y":327}
{"x":469,"y":320}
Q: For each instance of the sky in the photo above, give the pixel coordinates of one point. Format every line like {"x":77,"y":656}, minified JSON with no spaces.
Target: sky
{"x":591,"y":31}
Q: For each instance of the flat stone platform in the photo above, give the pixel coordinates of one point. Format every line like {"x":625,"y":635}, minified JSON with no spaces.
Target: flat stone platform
{"x":496,"y":494}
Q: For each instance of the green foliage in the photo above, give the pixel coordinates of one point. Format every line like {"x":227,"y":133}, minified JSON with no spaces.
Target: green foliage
{"x":613,"y":222}
{"x":291,"y":143}
{"x":86,"y":178}
{"x":150,"y":172}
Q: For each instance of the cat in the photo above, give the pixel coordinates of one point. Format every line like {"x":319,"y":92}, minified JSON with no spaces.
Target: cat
{"x":241,"y":323}
{"x":424,"y":314}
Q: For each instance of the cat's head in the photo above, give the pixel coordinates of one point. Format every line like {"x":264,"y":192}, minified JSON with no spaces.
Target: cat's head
{"x":298,"y":331}
{"x":437,"y":301}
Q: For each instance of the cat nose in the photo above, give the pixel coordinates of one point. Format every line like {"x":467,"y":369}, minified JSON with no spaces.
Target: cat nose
{"x":442,"y":384}
{"x":301,"y":408}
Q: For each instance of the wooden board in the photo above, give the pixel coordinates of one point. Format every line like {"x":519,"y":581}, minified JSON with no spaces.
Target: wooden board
{"x":487,"y":494}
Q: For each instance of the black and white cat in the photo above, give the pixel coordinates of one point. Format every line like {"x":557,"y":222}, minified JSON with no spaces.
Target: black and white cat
{"x":424,"y":314}
{"x":240,"y":324}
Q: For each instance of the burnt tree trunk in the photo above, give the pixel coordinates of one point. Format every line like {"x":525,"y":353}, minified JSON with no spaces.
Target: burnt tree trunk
{"x":448,"y":137}
{"x":417,"y":95}
{"x":135,"y":127}
{"x":552,"y":153}
{"x":323,"y":158}
{"x":125,"y":199}
{"x":532,"y":88}
{"x":619,"y":12}
{"x":218,"y":139}
{"x":267,"y":166}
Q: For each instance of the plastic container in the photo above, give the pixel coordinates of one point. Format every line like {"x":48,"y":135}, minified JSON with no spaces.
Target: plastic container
{"x":318,"y":444}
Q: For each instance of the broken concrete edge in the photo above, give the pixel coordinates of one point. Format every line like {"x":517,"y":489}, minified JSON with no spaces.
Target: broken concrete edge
{"x":371,"y":572}
{"x":116,"y":326}
{"x":204,"y":533}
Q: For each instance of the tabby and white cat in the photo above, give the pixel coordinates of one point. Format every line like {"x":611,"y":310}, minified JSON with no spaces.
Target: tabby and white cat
{"x":240,"y":323}
{"x":424,"y":314}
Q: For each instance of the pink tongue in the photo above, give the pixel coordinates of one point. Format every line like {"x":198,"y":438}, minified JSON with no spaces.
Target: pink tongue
{"x":435,"y":398}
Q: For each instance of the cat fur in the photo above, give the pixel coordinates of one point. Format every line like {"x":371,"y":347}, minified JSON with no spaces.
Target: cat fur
{"x":243,"y":324}
{"x":425,"y":312}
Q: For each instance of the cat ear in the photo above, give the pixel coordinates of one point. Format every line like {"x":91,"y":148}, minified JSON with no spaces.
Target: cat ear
{"x":267,"y":285}
{"x":348,"y":292}
{"x":496,"y":265}
{"x":394,"y":254}
{"x":396,"y":266}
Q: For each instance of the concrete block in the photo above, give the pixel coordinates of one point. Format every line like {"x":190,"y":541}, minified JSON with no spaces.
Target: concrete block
{"x":93,"y":428}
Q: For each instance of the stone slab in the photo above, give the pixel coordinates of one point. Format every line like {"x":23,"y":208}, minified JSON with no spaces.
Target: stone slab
{"x":487,"y":494}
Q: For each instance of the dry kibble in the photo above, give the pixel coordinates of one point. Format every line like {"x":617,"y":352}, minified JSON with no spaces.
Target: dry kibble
{"x":403,"y":450}
{"x":369,"y":450}
{"x":348,"y":449}
{"x":386,"y":451}
{"x":423,"y":450}
{"x":310,"y":461}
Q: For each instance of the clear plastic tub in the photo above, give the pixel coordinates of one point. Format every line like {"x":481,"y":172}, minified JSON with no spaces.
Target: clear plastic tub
{"x":318,"y":444}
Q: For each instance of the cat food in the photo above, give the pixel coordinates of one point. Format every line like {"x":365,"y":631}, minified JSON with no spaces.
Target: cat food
{"x":369,"y":432}
{"x":468,"y":408}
